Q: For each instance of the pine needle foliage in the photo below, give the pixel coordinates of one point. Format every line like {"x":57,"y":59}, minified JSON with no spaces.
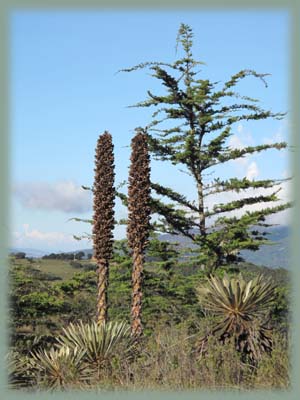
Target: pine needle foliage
{"x":104,"y":200}
{"x":138,"y":221}
{"x":191,"y":127}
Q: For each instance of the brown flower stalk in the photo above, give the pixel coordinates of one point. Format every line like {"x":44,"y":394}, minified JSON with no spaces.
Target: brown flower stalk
{"x":104,"y":200}
{"x":138,"y":221}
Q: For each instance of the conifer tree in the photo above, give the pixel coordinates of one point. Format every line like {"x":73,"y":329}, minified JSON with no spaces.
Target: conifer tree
{"x":103,"y":221}
{"x":191,"y":127}
{"x":138,"y":221}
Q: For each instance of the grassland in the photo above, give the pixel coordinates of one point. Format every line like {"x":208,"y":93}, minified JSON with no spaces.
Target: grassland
{"x":59,"y":268}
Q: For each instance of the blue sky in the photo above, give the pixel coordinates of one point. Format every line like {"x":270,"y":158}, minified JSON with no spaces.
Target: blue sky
{"x":65,"y":92}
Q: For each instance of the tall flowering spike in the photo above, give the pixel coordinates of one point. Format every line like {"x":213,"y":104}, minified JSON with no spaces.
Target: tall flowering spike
{"x":104,"y":200}
{"x":138,"y":221}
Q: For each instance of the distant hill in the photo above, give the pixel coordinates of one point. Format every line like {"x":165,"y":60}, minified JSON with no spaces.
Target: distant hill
{"x":273,"y":256}
{"x":29,"y":252}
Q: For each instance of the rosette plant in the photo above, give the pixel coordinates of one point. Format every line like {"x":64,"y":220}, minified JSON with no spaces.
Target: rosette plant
{"x":241,"y":307}
{"x":58,"y":368}
{"x":103,"y":343}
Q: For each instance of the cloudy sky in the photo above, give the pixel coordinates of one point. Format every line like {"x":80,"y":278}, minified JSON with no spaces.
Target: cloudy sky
{"x":65,"y":92}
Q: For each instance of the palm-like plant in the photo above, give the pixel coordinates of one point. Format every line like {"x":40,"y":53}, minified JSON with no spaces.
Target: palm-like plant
{"x":242,"y":306}
{"x":83,"y":353}
{"x":59,"y":368}
{"x":20,"y":373}
{"x":101,"y":343}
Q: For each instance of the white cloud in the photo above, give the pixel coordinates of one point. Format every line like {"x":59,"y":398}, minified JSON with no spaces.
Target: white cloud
{"x":50,"y":237}
{"x":235,"y":142}
{"x":240,"y":128}
{"x":239,"y":141}
{"x":252,"y":171}
{"x":242,"y":139}
{"x":60,"y":196}
{"x":284,"y":196}
{"x":34,"y":238}
{"x":280,"y":135}
{"x":277,"y":137}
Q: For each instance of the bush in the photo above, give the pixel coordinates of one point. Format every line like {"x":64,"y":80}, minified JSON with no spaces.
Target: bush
{"x":20,"y":255}
{"x":76,"y":264}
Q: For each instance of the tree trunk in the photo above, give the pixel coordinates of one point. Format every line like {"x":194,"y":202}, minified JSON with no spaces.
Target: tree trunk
{"x":201,"y":208}
{"x":137,"y":280}
{"x":102,"y":284}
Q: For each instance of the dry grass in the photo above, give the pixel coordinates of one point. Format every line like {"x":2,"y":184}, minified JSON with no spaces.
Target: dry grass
{"x":168,"y":362}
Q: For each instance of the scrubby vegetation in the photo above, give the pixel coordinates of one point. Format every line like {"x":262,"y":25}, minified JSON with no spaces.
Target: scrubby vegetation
{"x":43,"y":304}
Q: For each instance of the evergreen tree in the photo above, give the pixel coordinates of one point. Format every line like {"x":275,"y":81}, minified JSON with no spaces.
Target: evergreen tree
{"x":138,"y":221}
{"x":103,"y":221}
{"x":191,"y":127}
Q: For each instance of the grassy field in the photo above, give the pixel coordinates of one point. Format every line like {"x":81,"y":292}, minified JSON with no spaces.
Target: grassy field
{"x":60,"y":268}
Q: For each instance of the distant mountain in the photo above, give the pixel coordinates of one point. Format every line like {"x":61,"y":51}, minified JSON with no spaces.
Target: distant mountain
{"x":29,"y":252}
{"x":273,"y":255}
{"x":34,"y":253}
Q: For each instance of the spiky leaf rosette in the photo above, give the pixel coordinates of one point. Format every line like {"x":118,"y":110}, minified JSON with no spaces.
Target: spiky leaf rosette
{"x":59,"y":368}
{"x":138,"y":220}
{"x":104,"y":195}
{"x":21,"y":373}
{"x":102,"y":343}
{"x":242,"y":306}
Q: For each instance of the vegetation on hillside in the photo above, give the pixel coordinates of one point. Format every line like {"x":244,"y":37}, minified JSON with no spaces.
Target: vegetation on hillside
{"x":174,"y":323}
